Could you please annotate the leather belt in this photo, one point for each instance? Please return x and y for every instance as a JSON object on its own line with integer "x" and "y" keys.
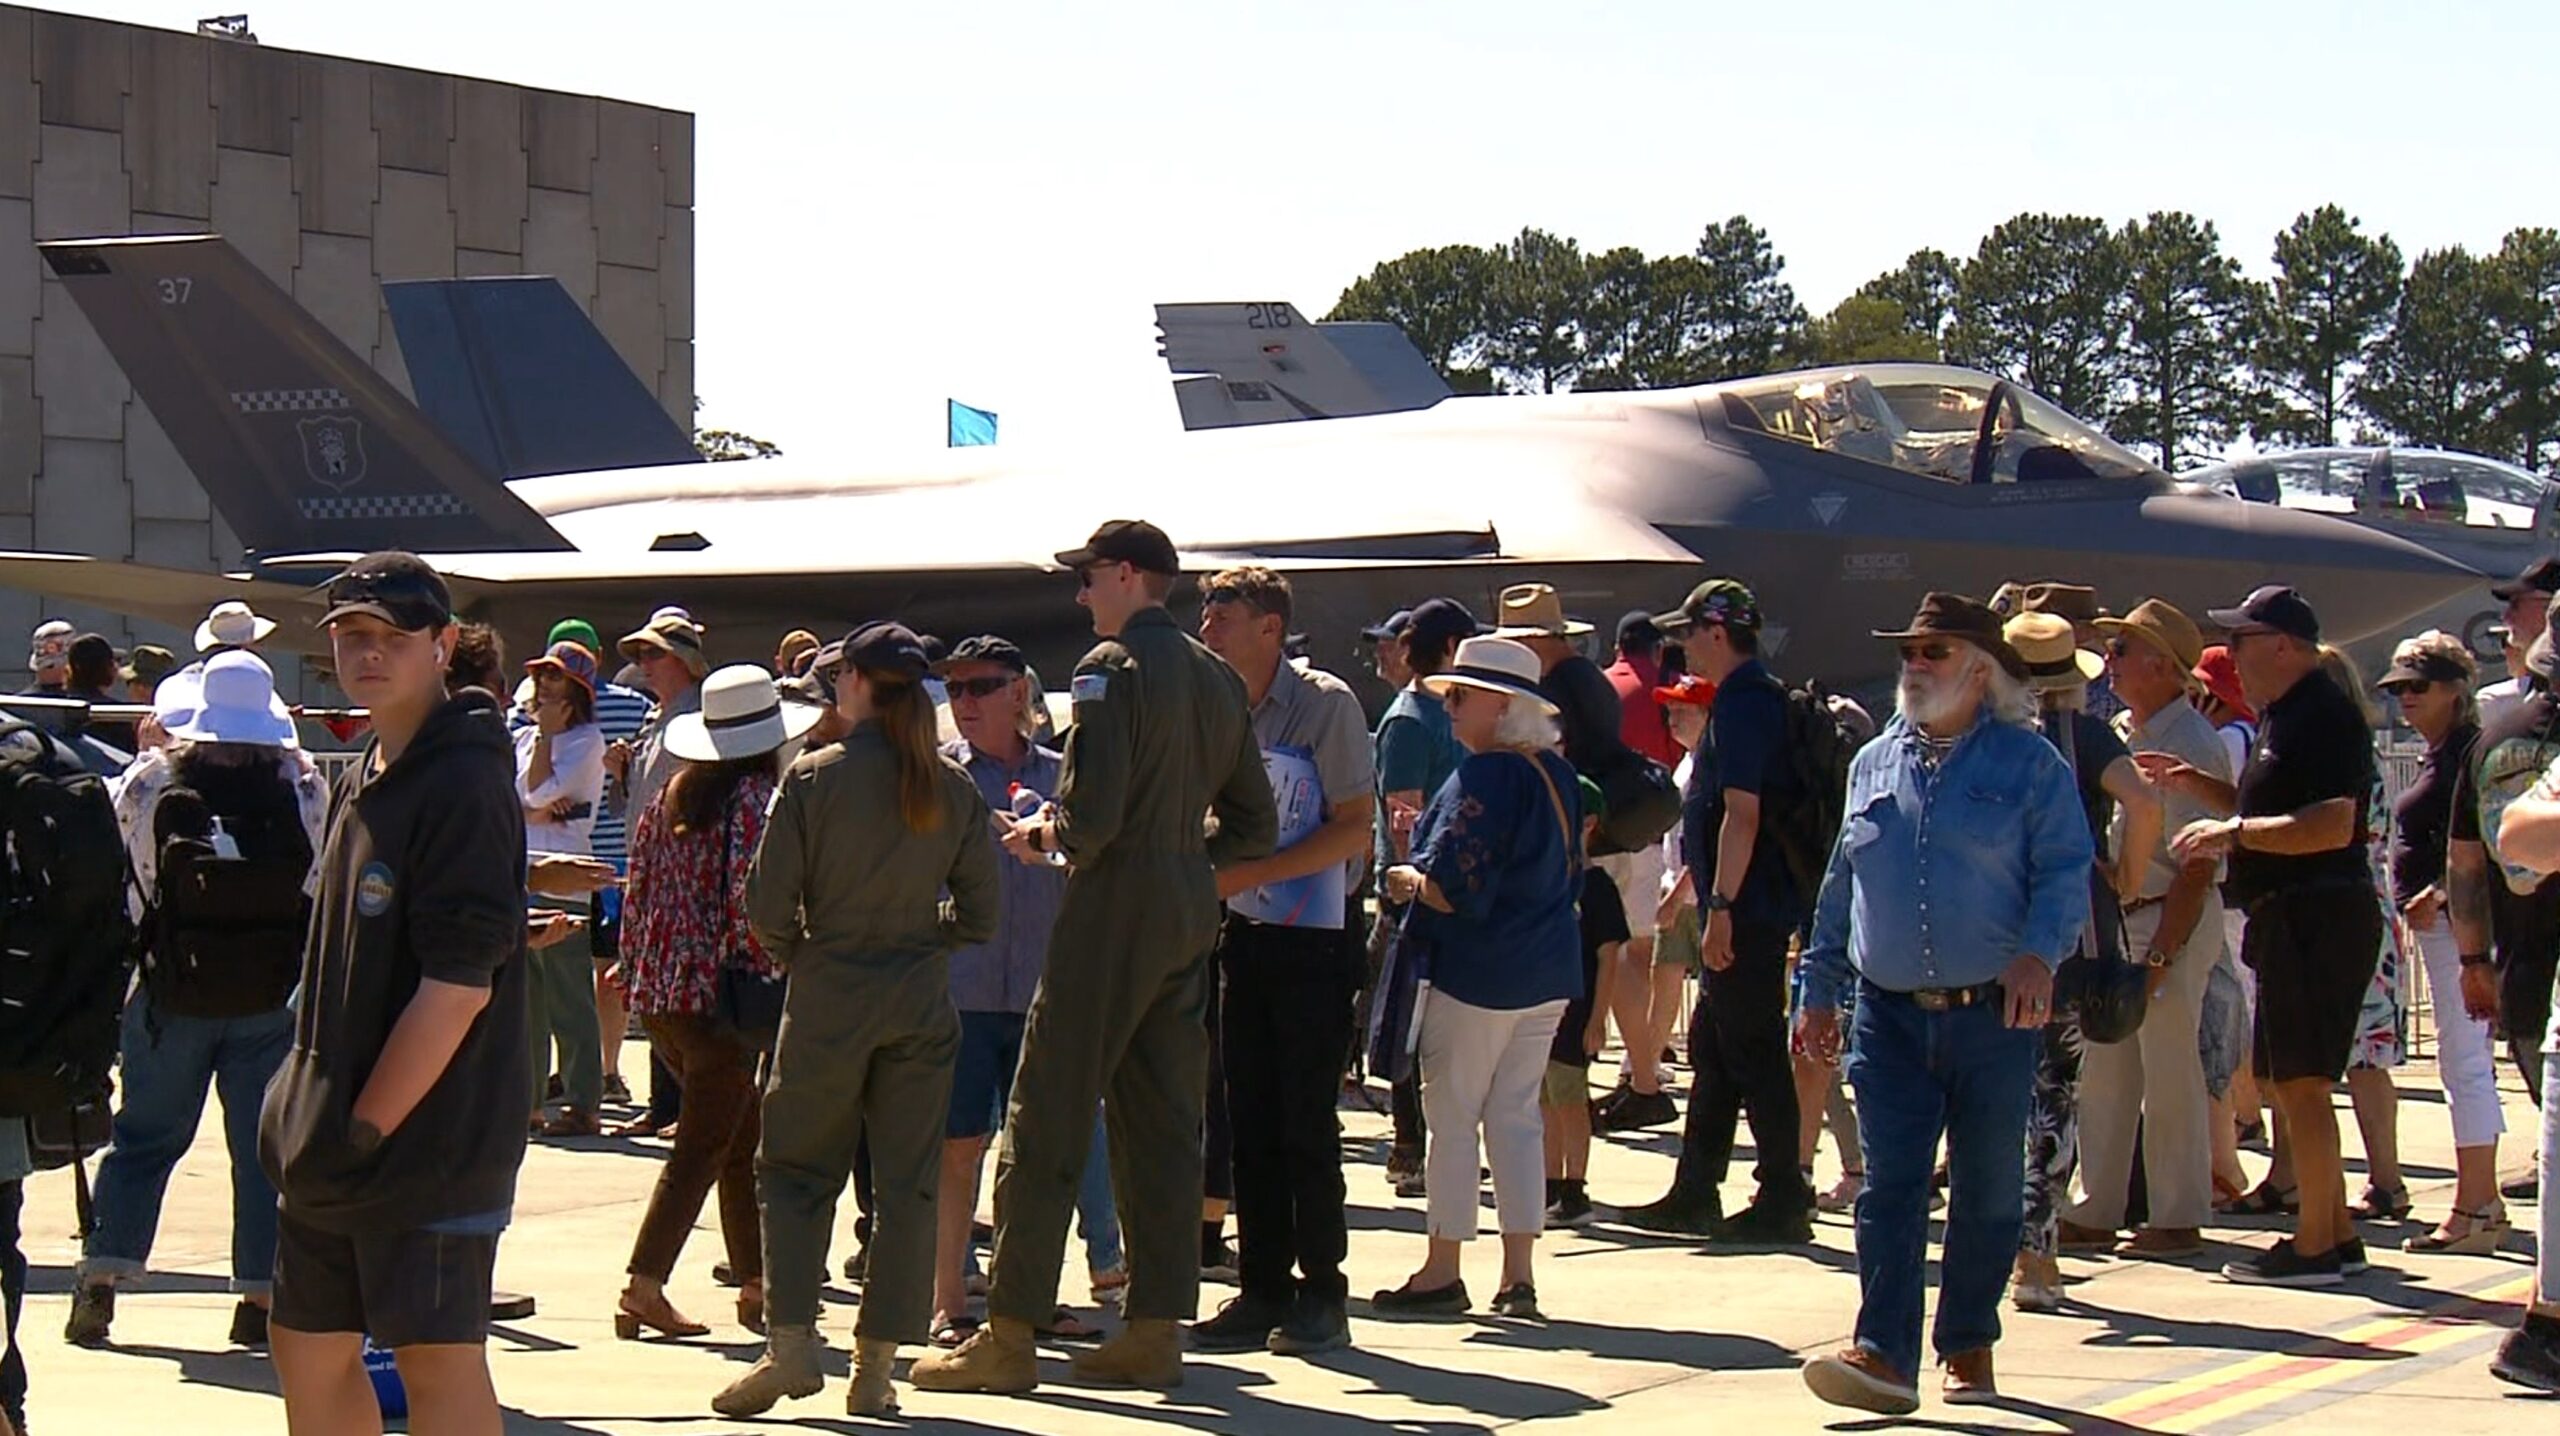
{"x": 1947, "y": 999}
{"x": 2138, "y": 904}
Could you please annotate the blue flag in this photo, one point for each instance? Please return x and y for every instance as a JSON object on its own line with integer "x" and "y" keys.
{"x": 970, "y": 426}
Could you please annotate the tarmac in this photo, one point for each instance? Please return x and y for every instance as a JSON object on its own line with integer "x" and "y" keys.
{"x": 1643, "y": 1334}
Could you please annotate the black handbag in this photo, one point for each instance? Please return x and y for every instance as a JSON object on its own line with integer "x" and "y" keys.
{"x": 2099, "y": 986}
{"x": 747, "y": 1002}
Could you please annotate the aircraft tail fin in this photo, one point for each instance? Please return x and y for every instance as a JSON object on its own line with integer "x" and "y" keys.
{"x": 1265, "y": 363}
{"x": 517, "y": 375}
{"x": 300, "y": 444}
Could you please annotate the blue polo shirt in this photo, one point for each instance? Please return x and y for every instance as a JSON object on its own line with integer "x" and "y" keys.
{"x": 1744, "y": 752}
{"x": 998, "y": 975}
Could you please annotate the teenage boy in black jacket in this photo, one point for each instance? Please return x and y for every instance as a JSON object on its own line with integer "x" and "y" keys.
{"x": 382, "y": 1131}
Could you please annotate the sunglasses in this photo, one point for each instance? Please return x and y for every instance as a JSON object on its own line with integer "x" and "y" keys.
{"x": 1086, "y": 574}
{"x": 979, "y": 687}
{"x": 2419, "y": 687}
{"x": 1934, "y": 651}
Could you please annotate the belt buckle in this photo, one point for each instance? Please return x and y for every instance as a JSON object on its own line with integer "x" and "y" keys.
{"x": 1932, "y": 999}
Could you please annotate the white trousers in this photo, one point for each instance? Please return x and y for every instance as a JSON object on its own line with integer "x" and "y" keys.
{"x": 2152, "y": 1083}
{"x": 2466, "y": 1060}
{"x": 1481, "y": 1068}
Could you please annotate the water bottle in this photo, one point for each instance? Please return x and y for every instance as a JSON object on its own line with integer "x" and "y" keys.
{"x": 224, "y": 845}
{"x": 384, "y": 1373}
{"x": 1028, "y": 804}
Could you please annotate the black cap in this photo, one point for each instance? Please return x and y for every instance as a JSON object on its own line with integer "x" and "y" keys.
{"x": 1397, "y": 622}
{"x": 1439, "y": 623}
{"x": 885, "y": 648}
{"x": 1135, "y": 542}
{"x": 1639, "y": 625}
{"x": 935, "y": 650}
{"x": 2541, "y": 576}
{"x": 2423, "y": 666}
{"x": 986, "y": 648}
{"x": 398, "y": 588}
{"x": 2273, "y": 606}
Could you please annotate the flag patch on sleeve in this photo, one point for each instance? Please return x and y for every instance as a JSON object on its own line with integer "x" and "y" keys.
{"x": 1089, "y": 687}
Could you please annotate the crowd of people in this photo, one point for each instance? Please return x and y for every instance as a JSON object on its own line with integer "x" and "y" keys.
{"x": 2094, "y": 908}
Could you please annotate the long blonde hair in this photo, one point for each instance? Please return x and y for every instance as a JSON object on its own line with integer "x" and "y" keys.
{"x": 2342, "y": 671}
{"x": 907, "y": 719}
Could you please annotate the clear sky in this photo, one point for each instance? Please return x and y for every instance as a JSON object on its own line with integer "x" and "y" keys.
{"x": 898, "y": 202}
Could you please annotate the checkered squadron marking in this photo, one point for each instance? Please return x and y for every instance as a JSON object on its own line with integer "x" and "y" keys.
{"x": 288, "y": 401}
{"x": 386, "y": 506}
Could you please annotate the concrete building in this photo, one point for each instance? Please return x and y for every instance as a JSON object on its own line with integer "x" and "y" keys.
{"x": 332, "y": 175}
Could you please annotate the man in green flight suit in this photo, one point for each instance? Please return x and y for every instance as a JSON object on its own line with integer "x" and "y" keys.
{"x": 1162, "y": 740}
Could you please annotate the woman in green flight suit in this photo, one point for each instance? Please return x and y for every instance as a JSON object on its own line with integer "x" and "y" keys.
{"x": 847, "y": 895}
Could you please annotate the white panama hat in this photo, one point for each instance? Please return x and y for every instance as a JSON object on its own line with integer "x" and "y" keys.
{"x": 1495, "y": 665}
{"x": 742, "y": 716}
{"x": 232, "y": 624}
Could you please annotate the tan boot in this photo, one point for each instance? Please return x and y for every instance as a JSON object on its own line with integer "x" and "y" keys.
{"x": 1146, "y": 1353}
{"x": 789, "y": 1367}
{"x": 874, "y": 1360}
{"x": 998, "y": 1359}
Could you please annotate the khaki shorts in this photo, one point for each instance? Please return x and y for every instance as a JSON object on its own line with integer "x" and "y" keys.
{"x": 1638, "y": 876}
{"x": 1565, "y": 1084}
{"x": 1679, "y": 943}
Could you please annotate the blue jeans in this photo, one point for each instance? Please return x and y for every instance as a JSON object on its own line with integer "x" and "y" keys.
{"x": 1097, "y": 1219}
{"x": 1919, "y": 1075}
{"x": 161, "y": 1103}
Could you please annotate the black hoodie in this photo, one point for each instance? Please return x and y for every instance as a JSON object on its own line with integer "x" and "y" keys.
{"x": 421, "y": 876}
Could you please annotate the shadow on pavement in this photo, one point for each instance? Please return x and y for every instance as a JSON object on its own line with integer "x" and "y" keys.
{"x": 1692, "y": 1350}
{"x": 232, "y": 1370}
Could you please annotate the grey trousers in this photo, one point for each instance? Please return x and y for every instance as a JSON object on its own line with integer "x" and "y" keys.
{"x": 563, "y": 993}
{"x": 871, "y": 1049}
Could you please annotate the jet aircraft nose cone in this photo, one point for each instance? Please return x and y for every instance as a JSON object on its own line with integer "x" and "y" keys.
{"x": 2360, "y": 580}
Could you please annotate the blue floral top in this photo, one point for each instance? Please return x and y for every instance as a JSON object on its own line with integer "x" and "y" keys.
{"x": 1509, "y": 865}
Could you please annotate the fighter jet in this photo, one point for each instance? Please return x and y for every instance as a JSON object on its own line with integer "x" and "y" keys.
{"x": 1841, "y": 494}
{"x": 2478, "y": 511}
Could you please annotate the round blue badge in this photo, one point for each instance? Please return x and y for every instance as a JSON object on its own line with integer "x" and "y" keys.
{"x": 373, "y": 890}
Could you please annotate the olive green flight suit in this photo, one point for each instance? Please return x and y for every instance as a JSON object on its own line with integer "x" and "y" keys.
{"x": 850, "y": 902}
{"x": 1162, "y": 739}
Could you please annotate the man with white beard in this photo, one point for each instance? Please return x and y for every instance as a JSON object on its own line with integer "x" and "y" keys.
{"x": 1959, "y": 883}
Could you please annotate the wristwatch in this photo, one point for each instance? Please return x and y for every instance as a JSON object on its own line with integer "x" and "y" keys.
{"x": 1715, "y": 902}
{"x": 2479, "y": 959}
{"x": 2154, "y": 957}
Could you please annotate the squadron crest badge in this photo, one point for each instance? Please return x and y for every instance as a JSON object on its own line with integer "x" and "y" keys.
{"x": 333, "y": 450}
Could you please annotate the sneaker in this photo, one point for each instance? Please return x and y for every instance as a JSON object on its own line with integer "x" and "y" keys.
{"x": 1220, "y": 1266}
{"x": 1519, "y": 1301}
{"x": 1316, "y": 1325}
{"x": 1245, "y": 1323}
{"x": 1571, "y": 1209}
{"x": 1676, "y": 1214}
{"x": 1760, "y": 1226}
{"x": 2164, "y": 1243}
{"x": 1410, "y": 1185}
{"x": 93, "y": 1310}
{"x": 857, "y": 1267}
{"x": 1843, "y": 1197}
{"x": 1639, "y": 1110}
{"x": 1403, "y": 1163}
{"x": 1406, "y": 1300}
{"x": 2530, "y": 1355}
{"x": 249, "y": 1326}
{"x": 617, "y": 1091}
{"x": 2351, "y": 1258}
{"x": 2526, "y": 1186}
{"x": 2283, "y": 1265}
{"x": 1860, "y": 1380}
{"x": 2035, "y": 1284}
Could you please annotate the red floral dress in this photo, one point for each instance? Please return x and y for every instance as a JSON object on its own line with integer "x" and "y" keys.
{"x": 684, "y": 911}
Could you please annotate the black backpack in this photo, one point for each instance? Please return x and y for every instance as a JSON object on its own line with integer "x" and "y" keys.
{"x": 66, "y": 940}
{"x": 1813, "y": 788}
{"x": 225, "y": 934}
{"x": 1642, "y": 803}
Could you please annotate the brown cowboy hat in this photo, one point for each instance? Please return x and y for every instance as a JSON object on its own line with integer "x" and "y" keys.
{"x": 2162, "y": 626}
{"x": 1952, "y": 615}
{"x": 2063, "y": 600}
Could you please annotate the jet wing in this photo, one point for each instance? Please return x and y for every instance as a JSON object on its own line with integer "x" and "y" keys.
{"x": 174, "y": 596}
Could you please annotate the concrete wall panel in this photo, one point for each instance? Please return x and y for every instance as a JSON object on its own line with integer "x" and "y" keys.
{"x": 173, "y": 543}
{"x": 82, "y": 502}
{"x": 560, "y": 240}
{"x": 17, "y": 103}
{"x": 21, "y": 435}
{"x": 388, "y": 361}
{"x": 144, "y": 223}
{"x": 413, "y": 227}
{"x": 333, "y": 147}
{"x": 413, "y": 119}
{"x": 80, "y": 391}
{"x": 21, "y": 275}
{"x": 630, "y": 192}
{"x": 83, "y": 70}
{"x": 253, "y": 207}
{"x": 167, "y": 143}
{"x": 255, "y": 93}
{"x": 559, "y": 140}
{"x": 675, "y": 383}
{"x": 675, "y": 273}
{"x": 82, "y": 190}
{"x": 163, "y": 486}
{"x": 675, "y": 155}
{"x": 488, "y": 167}
{"x": 335, "y": 282}
{"x": 626, "y": 312}
{"x": 473, "y": 262}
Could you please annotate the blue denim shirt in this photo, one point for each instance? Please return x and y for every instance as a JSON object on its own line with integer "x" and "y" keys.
{"x": 1000, "y": 974}
{"x": 1942, "y": 879}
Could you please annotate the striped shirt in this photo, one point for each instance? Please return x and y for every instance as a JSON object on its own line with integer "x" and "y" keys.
{"x": 619, "y": 712}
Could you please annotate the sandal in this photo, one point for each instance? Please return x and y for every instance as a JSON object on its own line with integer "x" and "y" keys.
{"x": 751, "y": 1307}
{"x": 1109, "y": 1286}
{"x": 949, "y": 1332}
{"x": 659, "y": 1316}
{"x": 2264, "y": 1201}
{"x": 2483, "y": 1232}
{"x": 2226, "y": 1191}
{"x": 1065, "y": 1326}
{"x": 2380, "y": 1204}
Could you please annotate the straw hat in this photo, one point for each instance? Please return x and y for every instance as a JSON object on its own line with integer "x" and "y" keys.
{"x": 1533, "y": 610}
{"x": 2054, "y": 658}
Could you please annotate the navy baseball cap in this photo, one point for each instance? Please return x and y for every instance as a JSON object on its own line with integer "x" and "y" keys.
{"x": 986, "y": 648}
{"x": 1440, "y": 623}
{"x": 1135, "y": 542}
{"x": 2274, "y": 608}
{"x": 2541, "y": 576}
{"x": 886, "y": 648}
{"x": 398, "y": 588}
{"x": 1394, "y": 627}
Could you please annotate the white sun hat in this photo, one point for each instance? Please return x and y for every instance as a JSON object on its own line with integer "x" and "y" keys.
{"x": 230, "y": 699}
{"x": 1496, "y": 665}
{"x": 743, "y": 716}
{"x": 232, "y": 624}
